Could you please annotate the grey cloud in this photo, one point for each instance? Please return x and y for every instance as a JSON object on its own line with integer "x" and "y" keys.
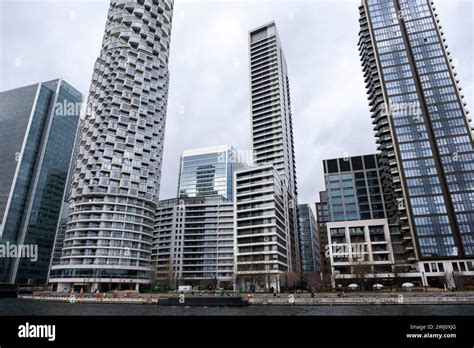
{"x": 209, "y": 70}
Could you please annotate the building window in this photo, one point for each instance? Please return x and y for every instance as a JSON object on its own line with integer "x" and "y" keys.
{"x": 440, "y": 267}
{"x": 470, "y": 266}
{"x": 455, "y": 267}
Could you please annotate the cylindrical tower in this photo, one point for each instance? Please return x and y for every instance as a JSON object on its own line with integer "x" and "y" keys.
{"x": 116, "y": 176}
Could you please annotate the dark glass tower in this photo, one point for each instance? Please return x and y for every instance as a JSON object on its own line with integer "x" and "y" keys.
{"x": 309, "y": 241}
{"x": 421, "y": 127}
{"x": 208, "y": 172}
{"x": 354, "y": 189}
{"x": 322, "y": 218}
{"x": 38, "y": 125}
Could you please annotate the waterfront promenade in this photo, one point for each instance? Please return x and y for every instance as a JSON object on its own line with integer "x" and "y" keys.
{"x": 324, "y": 299}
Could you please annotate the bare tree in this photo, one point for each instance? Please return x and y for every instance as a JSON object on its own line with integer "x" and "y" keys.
{"x": 168, "y": 276}
{"x": 396, "y": 273}
{"x": 291, "y": 280}
{"x": 327, "y": 280}
{"x": 153, "y": 276}
{"x": 259, "y": 281}
{"x": 361, "y": 269}
{"x": 314, "y": 281}
{"x": 459, "y": 280}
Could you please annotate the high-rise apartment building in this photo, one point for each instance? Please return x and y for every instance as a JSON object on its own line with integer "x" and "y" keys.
{"x": 116, "y": 178}
{"x": 272, "y": 140}
{"x": 262, "y": 243}
{"x": 422, "y": 128}
{"x": 193, "y": 242}
{"x": 207, "y": 172}
{"x": 309, "y": 241}
{"x": 272, "y": 124}
{"x": 38, "y": 125}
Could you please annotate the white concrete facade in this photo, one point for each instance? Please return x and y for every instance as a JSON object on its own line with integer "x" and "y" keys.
{"x": 262, "y": 242}
{"x": 273, "y": 150}
{"x": 362, "y": 242}
{"x": 193, "y": 242}
{"x": 374, "y": 251}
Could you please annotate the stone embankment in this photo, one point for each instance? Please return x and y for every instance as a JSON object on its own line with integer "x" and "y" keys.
{"x": 268, "y": 299}
{"x": 366, "y": 299}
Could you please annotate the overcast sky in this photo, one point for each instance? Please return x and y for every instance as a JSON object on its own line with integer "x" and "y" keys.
{"x": 209, "y": 90}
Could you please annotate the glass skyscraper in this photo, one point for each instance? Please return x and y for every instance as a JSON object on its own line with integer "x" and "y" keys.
{"x": 116, "y": 178}
{"x": 309, "y": 240}
{"x": 322, "y": 218}
{"x": 422, "y": 126}
{"x": 38, "y": 125}
{"x": 207, "y": 172}
{"x": 354, "y": 189}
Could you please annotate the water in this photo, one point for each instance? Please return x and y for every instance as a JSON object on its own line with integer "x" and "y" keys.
{"x": 12, "y": 306}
